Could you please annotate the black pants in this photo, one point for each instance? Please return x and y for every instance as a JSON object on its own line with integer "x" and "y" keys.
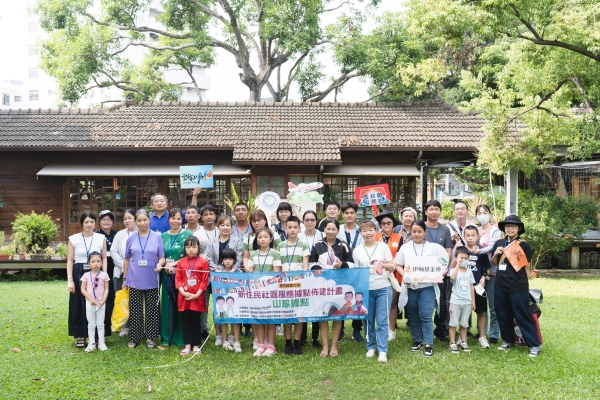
{"x": 77, "y": 318}
{"x": 315, "y": 331}
{"x": 141, "y": 301}
{"x": 191, "y": 327}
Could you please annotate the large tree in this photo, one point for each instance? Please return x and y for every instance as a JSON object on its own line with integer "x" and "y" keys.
{"x": 89, "y": 39}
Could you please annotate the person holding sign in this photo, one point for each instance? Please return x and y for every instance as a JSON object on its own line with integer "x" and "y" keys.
{"x": 79, "y": 248}
{"x": 421, "y": 295}
{"x": 376, "y": 256}
{"x": 511, "y": 295}
{"x": 144, "y": 258}
{"x": 294, "y": 257}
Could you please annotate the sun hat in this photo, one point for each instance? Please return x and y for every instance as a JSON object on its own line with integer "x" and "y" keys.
{"x": 512, "y": 219}
{"x": 387, "y": 214}
{"x": 106, "y": 212}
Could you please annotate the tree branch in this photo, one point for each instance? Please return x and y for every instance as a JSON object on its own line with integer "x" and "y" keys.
{"x": 336, "y": 84}
{"x": 542, "y": 100}
{"x": 120, "y": 85}
{"x": 335, "y": 8}
{"x": 382, "y": 91}
{"x": 210, "y": 12}
{"x": 584, "y": 96}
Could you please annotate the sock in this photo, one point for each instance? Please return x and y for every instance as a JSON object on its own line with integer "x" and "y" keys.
{"x": 288, "y": 342}
{"x": 296, "y": 343}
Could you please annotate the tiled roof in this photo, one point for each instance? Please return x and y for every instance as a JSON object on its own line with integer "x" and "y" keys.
{"x": 256, "y": 131}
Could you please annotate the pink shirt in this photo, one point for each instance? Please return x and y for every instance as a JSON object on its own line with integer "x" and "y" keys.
{"x": 97, "y": 292}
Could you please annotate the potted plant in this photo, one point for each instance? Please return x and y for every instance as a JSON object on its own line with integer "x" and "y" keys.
{"x": 2, "y": 238}
{"x": 61, "y": 250}
{"x": 7, "y": 252}
{"x": 35, "y": 253}
{"x": 49, "y": 252}
{"x": 34, "y": 231}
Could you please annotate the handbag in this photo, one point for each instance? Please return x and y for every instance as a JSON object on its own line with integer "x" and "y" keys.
{"x": 394, "y": 282}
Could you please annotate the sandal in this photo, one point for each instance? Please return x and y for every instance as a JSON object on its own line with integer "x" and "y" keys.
{"x": 132, "y": 345}
{"x": 150, "y": 344}
{"x": 81, "y": 344}
{"x": 185, "y": 352}
{"x": 323, "y": 353}
{"x": 197, "y": 351}
{"x": 333, "y": 353}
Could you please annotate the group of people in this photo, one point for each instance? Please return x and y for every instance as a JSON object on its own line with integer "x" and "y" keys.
{"x": 164, "y": 259}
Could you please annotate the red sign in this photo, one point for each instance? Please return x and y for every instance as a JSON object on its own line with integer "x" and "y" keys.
{"x": 372, "y": 195}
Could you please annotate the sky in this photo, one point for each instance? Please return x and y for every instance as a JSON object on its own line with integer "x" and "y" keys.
{"x": 225, "y": 83}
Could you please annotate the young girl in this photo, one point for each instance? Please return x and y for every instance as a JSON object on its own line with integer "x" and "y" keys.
{"x": 265, "y": 259}
{"x": 94, "y": 286}
{"x": 191, "y": 279}
{"x": 232, "y": 342}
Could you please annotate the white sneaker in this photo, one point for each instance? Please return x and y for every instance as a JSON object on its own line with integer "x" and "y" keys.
{"x": 231, "y": 339}
{"x": 124, "y": 332}
{"x": 227, "y": 346}
{"x": 255, "y": 344}
{"x": 269, "y": 351}
{"x": 391, "y": 335}
{"x": 382, "y": 357}
{"x": 370, "y": 353}
{"x": 279, "y": 330}
{"x": 484, "y": 343}
{"x": 91, "y": 347}
{"x": 259, "y": 351}
{"x": 237, "y": 347}
{"x": 102, "y": 347}
{"x": 218, "y": 341}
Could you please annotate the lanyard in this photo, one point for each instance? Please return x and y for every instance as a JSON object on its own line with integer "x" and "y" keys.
{"x": 92, "y": 281}
{"x": 288, "y": 259}
{"x": 437, "y": 233}
{"x": 264, "y": 262}
{"x": 313, "y": 241}
{"x": 415, "y": 249}
{"x": 140, "y": 240}
{"x": 373, "y": 252}
{"x": 87, "y": 250}
{"x": 208, "y": 237}
{"x": 223, "y": 246}
{"x": 241, "y": 235}
{"x": 191, "y": 267}
{"x": 386, "y": 239}
{"x": 349, "y": 237}
{"x": 281, "y": 231}
{"x": 331, "y": 255}
{"x": 171, "y": 241}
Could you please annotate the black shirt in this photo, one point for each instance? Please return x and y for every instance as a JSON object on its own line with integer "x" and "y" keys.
{"x": 110, "y": 265}
{"x": 509, "y": 280}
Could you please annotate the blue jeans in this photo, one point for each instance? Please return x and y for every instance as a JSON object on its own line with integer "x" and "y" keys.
{"x": 421, "y": 303}
{"x": 379, "y": 309}
{"x": 512, "y": 307}
{"x": 493, "y": 329}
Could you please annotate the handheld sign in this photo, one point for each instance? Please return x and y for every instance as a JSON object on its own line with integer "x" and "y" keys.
{"x": 304, "y": 196}
{"x": 424, "y": 269}
{"x": 192, "y": 176}
{"x": 515, "y": 255}
{"x": 373, "y": 196}
{"x": 268, "y": 202}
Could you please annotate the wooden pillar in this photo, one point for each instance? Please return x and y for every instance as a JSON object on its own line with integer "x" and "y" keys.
{"x": 424, "y": 187}
{"x": 574, "y": 257}
{"x": 511, "y": 205}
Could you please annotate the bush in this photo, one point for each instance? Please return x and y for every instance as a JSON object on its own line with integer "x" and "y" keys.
{"x": 35, "y": 231}
{"x": 448, "y": 210}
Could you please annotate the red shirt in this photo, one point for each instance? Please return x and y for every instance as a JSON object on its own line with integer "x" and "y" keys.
{"x": 192, "y": 274}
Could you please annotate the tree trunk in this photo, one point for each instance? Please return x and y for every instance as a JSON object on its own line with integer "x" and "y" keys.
{"x": 255, "y": 92}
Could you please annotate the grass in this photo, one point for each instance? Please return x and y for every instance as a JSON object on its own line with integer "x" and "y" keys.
{"x": 33, "y": 318}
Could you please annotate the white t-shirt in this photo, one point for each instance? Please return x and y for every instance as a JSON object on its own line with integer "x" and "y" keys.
{"x": 206, "y": 237}
{"x": 423, "y": 249}
{"x": 310, "y": 241}
{"x": 365, "y": 256}
{"x": 94, "y": 243}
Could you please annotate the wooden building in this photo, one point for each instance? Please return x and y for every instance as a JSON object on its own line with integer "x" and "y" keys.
{"x": 73, "y": 160}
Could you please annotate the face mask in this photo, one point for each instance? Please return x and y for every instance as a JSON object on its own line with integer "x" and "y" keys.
{"x": 483, "y": 219}
{"x": 464, "y": 263}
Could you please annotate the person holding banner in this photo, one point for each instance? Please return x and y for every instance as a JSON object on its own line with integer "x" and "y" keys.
{"x": 271, "y": 262}
{"x": 330, "y": 253}
{"x": 376, "y": 256}
{"x": 144, "y": 258}
{"x": 511, "y": 296}
{"x": 421, "y": 295}
{"x": 173, "y": 242}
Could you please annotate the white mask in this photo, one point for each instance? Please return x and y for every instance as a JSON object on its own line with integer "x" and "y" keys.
{"x": 483, "y": 219}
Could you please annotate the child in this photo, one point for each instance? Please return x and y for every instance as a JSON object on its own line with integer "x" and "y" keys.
{"x": 191, "y": 279}
{"x": 462, "y": 300}
{"x": 265, "y": 259}
{"x": 94, "y": 286}
{"x": 294, "y": 257}
{"x": 479, "y": 264}
{"x": 231, "y": 342}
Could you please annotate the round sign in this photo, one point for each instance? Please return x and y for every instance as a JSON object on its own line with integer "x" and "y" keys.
{"x": 267, "y": 201}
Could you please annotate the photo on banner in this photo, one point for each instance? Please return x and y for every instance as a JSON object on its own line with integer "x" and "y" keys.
{"x": 191, "y": 176}
{"x": 290, "y": 297}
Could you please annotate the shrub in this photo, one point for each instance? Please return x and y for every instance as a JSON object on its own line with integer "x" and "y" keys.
{"x": 35, "y": 231}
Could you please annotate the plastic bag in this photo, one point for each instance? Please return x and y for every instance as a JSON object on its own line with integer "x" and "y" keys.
{"x": 403, "y": 297}
{"x": 120, "y": 314}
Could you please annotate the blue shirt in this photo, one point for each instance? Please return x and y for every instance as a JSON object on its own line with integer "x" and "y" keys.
{"x": 143, "y": 277}
{"x": 161, "y": 224}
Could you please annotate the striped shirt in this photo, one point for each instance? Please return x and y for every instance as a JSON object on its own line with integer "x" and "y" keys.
{"x": 264, "y": 262}
{"x": 249, "y": 239}
{"x": 292, "y": 255}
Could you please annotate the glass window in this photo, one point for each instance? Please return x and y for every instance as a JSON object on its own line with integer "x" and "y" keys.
{"x": 33, "y": 73}
{"x": 34, "y": 95}
{"x": 34, "y": 50}
{"x": 33, "y": 27}
{"x": 5, "y": 99}
{"x": 17, "y": 99}
{"x": 271, "y": 183}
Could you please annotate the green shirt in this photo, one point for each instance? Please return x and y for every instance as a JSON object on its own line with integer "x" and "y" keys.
{"x": 249, "y": 239}
{"x": 292, "y": 255}
{"x": 174, "y": 248}
{"x": 264, "y": 263}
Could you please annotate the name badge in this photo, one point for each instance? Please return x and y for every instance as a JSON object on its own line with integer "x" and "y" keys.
{"x": 142, "y": 263}
{"x": 502, "y": 267}
{"x": 170, "y": 260}
{"x": 86, "y": 267}
{"x": 191, "y": 282}
{"x": 108, "y": 254}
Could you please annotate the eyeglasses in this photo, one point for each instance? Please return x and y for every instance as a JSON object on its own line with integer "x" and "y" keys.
{"x": 258, "y": 220}
{"x": 386, "y": 223}
{"x": 310, "y": 220}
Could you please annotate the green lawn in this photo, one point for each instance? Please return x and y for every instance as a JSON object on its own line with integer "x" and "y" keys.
{"x": 33, "y": 318}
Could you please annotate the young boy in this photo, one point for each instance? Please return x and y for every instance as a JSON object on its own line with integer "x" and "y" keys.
{"x": 294, "y": 257}
{"x": 462, "y": 300}
{"x": 479, "y": 264}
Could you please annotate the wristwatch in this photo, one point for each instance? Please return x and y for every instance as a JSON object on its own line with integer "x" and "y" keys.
{"x": 69, "y": 277}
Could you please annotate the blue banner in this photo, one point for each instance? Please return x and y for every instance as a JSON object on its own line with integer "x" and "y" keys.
{"x": 290, "y": 297}
{"x": 191, "y": 176}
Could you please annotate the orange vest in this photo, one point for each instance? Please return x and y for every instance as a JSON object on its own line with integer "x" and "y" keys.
{"x": 393, "y": 243}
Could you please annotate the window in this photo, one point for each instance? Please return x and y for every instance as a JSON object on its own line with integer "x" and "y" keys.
{"x": 33, "y": 27}
{"x": 5, "y": 99}
{"x": 272, "y": 183}
{"x": 33, "y": 73}
{"x": 34, "y": 50}
{"x": 34, "y": 95}
{"x": 50, "y": 92}
{"x": 17, "y": 99}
